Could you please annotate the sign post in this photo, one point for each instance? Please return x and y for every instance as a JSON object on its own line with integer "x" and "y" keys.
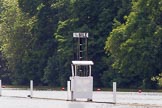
{"x": 114, "y": 92}
{"x": 0, "y": 87}
{"x": 31, "y": 88}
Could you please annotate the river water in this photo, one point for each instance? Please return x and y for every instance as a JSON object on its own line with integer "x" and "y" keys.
{"x": 18, "y": 98}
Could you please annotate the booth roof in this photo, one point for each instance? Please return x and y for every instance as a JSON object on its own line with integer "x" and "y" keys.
{"x": 82, "y": 62}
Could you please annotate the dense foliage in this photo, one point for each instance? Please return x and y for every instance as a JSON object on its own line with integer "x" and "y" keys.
{"x": 36, "y": 41}
{"x": 135, "y": 46}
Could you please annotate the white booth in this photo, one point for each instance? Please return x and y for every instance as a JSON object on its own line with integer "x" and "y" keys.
{"x": 81, "y": 80}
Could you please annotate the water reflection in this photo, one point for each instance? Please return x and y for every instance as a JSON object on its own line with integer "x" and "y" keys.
{"x": 75, "y": 105}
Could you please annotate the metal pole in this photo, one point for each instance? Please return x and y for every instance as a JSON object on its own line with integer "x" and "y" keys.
{"x": 0, "y": 87}
{"x": 72, "y": 69}
{"x": 86, "y": 39}
{"x": 78, "y": 49}
{"x": 90, "y": 69}
{"x": 73, "y": 50}
{"x": 114, "y": 92}
{"x": 75, "y": 70}
{"x": 69, "y": 90}
{"x": 31, "y": 88}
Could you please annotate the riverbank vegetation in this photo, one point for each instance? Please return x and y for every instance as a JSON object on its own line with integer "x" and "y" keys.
{"x": 125, "y": 41}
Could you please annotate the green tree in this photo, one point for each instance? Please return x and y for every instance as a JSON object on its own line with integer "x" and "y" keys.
{"x": 37, "y": 37}
{"x": 135, "y": 45}
{"x": 15, "y": 37}
{"x": 43, "y": 58}
{"x": 95, "y": 17}
{"x": 30, "y": 7}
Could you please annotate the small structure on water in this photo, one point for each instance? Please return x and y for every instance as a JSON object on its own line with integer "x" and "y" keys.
{"x": 81, "y": 81}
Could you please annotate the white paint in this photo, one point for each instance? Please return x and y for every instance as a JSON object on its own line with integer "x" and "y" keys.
{"x": 114, "y": 92}
{"x": 31, "y": 88}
